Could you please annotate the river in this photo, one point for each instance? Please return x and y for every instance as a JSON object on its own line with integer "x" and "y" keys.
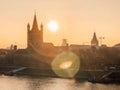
{"x": 47, "y": 83}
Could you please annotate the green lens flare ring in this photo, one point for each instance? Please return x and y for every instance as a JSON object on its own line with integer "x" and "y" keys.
{"x": 66, "y": 64}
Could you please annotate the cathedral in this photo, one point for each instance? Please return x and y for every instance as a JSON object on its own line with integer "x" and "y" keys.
{"x": 34, "y": 35}
{"x": 94, "y": 41}
{"x": 35, "y": 40}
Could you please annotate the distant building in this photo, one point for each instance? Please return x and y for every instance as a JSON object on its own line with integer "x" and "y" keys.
{"x": 94, "y": 41}
{"x": 75, "y": 47}
{"x": 117, "y": 46}
{"x": 64, "y": 43}
{"x": 34, "y": 35}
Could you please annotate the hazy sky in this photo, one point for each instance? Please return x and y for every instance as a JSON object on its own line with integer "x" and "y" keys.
{"x": 78, "y": 19}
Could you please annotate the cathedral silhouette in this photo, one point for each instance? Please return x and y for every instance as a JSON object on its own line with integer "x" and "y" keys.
{"x": 35, "y": 41}
{"x": 34, "y": 35}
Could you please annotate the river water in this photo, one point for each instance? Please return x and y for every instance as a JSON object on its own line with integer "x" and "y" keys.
{"x": 45, "y": 83}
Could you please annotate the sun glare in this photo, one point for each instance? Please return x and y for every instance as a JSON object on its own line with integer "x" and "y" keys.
{"x": 66, "y": 64}
{"x": 53, "y": 26}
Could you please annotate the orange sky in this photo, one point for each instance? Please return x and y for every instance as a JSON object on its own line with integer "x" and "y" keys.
{"x": 77, "y": 19}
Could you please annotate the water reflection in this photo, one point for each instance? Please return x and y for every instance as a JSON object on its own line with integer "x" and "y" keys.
{"x": 43, "y": 83}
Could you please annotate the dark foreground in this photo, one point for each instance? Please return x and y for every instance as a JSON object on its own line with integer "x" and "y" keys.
{"x": 94, "y": 76}
{"x": 95, "y": 65}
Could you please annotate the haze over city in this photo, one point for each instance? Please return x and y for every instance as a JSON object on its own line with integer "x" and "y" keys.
{"x": 77, "y": 20}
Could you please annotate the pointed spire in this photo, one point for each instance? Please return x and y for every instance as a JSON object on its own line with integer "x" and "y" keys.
{"x": 94, "y": 40}
{"x": 35, "y": 25}
{"x": 94, "y": 36}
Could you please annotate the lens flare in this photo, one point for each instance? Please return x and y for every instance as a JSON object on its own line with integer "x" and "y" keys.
{"x": 66, "y": 65}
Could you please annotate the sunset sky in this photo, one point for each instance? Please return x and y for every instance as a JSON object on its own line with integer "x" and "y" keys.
{"x": 77, "y": 20}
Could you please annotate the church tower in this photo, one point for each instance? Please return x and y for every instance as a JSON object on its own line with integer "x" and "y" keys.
{"x": 94, "y": 41}
{"x": 34, "y": 35}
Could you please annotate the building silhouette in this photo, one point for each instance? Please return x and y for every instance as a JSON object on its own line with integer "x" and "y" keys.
{"x": 94, "y": 41}
{"x": 64, "y": 42}
{"x": 35, "y": 41}
{"x": 34, "y": 35}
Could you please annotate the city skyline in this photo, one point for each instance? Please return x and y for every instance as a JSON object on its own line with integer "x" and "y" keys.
{"x": 77, "y": 20}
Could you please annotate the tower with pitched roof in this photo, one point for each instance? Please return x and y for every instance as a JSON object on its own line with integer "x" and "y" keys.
{"x": 94, "y": 41}
{"x": 34, "y": 35}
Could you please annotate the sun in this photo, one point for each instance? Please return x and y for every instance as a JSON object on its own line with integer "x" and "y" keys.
{"x": 52, "y": 26}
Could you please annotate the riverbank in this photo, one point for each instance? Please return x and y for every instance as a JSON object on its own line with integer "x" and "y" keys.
{"x": 94, "y": 76}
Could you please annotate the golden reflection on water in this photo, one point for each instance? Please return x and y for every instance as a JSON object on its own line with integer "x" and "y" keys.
{"x": 32, "y": 83}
